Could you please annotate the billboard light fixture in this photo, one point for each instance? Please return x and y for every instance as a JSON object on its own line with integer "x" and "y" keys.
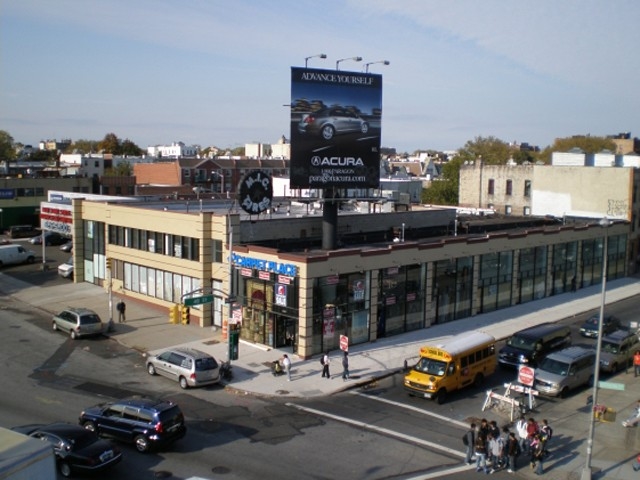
{"x": 355, "y": 59}
{"x": 319, "y": 55}
{"x": 366, "y": 65}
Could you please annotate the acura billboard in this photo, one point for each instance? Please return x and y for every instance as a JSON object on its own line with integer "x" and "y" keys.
{"x": 335, "y": 128}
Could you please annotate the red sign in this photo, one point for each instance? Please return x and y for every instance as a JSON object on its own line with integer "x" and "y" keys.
{"x": 525, "y": 375}
{"x": 344, "y": 343}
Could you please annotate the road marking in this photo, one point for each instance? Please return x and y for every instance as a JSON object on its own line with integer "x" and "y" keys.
{"x": 384, "y": 431}
{"x": 413, "y": 409}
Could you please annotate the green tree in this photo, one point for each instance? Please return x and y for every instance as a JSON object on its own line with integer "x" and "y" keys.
{"x": 492, "y": 151}
{"x": 123, "y": 169}
{"x": 444, "y": 190}
{"x": 587, "y": 144}
{"x": 7, "y": 148}
{"x": 130, "y": 148}
{"x": 83, "y": 146}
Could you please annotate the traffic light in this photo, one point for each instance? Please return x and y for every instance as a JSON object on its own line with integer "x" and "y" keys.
{"x": 173, "y": 314}
{"x": 185, "y": 315}
{"x": 108, "y": 261}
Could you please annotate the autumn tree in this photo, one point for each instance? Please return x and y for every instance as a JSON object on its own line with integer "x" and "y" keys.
{"x": 587, "y": 144}
{"x": 83, "y": 146}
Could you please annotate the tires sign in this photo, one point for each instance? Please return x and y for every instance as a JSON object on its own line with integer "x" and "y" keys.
{"x": 526, "y": 375}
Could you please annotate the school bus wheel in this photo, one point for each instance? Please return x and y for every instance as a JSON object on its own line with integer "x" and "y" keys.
{"x": 479, "y": 380}
{"x": 441, "y": 396}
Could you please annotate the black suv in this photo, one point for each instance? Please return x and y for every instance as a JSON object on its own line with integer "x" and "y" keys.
{"x": 146, "y": 422}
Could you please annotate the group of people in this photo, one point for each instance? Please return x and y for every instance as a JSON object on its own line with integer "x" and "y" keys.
{"x": 283, "y": 365}
{"x": 498, "y": 449}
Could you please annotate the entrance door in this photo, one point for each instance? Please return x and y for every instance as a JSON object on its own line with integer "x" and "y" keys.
{"x": 285, "y": 332}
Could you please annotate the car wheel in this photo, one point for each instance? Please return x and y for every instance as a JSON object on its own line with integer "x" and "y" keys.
{"x": 183, "y": 383}
{"x": 615, "y": 367}
{"x": 364, "y": 128}
{"x": 441, "y": 396}
{"x": 54, "y": 326}
{"x": 327, "y": 132}
{"x": 90, "y": 426}
{"x": 30, "y": 260}
{"x": 151, "y": 369}
{"x": 564, "y": 392}
{"x": 142, "y": 444}
{"x": 65, "y": 469}
{"x": 73, "y": 334}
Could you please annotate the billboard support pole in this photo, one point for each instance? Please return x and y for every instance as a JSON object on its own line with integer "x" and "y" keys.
{"x": 329, "y": 220}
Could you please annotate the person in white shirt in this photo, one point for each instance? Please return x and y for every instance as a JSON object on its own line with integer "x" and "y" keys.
{"x": 286, "y": 363}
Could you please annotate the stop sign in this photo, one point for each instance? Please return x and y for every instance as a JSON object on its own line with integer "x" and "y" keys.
{"x": 525, "y": 375}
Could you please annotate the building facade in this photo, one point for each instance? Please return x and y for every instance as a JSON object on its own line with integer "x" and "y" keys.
{"x": 285, "y": 291}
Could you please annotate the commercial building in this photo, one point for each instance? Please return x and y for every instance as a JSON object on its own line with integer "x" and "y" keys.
{"x": 389, "y": 273}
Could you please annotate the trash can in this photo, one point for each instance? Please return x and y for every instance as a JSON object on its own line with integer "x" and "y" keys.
{"x": 609, "y": 415}
{"x": 234, "y": 340}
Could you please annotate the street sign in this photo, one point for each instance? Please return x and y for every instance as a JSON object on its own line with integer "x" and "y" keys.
{"x": 190, "y": 302}
{"x": 525, "y": 375}
{"x": 611, "y": 385}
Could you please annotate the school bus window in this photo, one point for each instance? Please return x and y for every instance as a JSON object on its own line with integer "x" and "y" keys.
{"x": 478, "y": 355}
{"x": 464, "y": 362}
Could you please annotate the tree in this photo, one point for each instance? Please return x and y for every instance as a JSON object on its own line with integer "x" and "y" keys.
{"x": 130, "y": 148}
{"x": 444, "y": 190}
{"x": 82, "y": 146}
{"x": 7, "y": 148}
{"x": 110, "y": 144}
{"x": 587, "y": 144}
{"x": 492, "y": 151}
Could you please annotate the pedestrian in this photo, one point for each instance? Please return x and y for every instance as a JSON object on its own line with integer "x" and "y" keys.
{"x": 546, "y": 433}
{"x": 325, "y": 365}
{"x": 495, "y": 450}
{"x": 469, "y": 441}
{"x": 286, "y": 363}
{"x": 481, "y": 453}
{"x": 345, "y": 366}
{"x": 484, "y": 427}
{"x": 532, "y": 429}
{"x": 521, "y": 428}
{"x": 636, "y": 363}
{"x": 513, "y": 451}
{"x": 537, "y": 455}
{"x": 504, "y": 459}
{"x": 121, "y": 307}
{"x": 633, "y": 420}
{"x": 573, "y": 284}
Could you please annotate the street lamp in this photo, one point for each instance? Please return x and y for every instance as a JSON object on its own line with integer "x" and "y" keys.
{"x": 366, "y": 65}
{"x": 355, "y": 59}
{"x": 586, "y": 473}
{"x": 319, "y": 55}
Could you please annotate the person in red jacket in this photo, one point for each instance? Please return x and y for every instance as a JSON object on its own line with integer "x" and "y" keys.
{"x": 532, "y": 430}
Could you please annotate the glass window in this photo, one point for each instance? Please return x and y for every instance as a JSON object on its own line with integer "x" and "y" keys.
{"x": 509, "y": 187}
{"x": 492, "y": 185}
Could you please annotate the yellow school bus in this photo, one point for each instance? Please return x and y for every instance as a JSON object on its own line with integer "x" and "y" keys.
{"x": 457, "y": 362}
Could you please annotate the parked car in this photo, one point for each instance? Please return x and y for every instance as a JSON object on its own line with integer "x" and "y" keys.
{"x": 531, "y": 345}
{"x": 77, "y": 450}
{"x": 50, "y": 238}
{"x": 78, "y": 322}
{"x": 617, "y": 349}
{"x": 15, "y": 254}
{"x": 148, "y": 423}
{"x": 65, "y": 269}
{"x": 67, "y": 247}
{"x": 331, "y": 121}
{"x": 565, "y": 370}
{"x": 22, "y": 231}
{"x": 590, "y": 328}
{"x": 187, "y": 366}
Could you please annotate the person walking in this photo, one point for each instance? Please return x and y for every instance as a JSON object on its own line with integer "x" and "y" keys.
{"x": 521, "y": 428}
{"x": 636, "y": 363}
{"x": 345, "y": 366}
{"x": 286, "y": 363}
{"x": 469, "y": 441}
{"x": 546, "y": 433}
{"x": 325, "y": 366}
{"x": 121, "y": 308}
{"x": 495, "y": 452}
{"x": 537, "y": 455}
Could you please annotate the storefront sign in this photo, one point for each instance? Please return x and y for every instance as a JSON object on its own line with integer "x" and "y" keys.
{"x": 284, "y": 280}
{"x": 392, "y": 271}
{"x": 246, "y": 272}
{"x": 411, "y": 297}
{"x": 331, "y": 280}
{"x": 391, "y": 300}
{"x": 264, "y": 265}
{"x": 256, "y": 192}
{"x": 358, "y": 290}
{"x": 264, "y": 275}
{"x": 281, "y": 295}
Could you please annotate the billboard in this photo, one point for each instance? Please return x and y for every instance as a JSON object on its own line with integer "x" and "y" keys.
{"x": 335, "y": 128}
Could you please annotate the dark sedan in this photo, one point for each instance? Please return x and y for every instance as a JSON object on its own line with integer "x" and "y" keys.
{"x": 50, "y": 238}
{"x": 590, "y": 328}
{"x": 77, "y": 450}
{"x": 67, "y": 247}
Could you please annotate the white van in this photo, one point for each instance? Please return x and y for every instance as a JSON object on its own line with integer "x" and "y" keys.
{"x": 14, "y": 254}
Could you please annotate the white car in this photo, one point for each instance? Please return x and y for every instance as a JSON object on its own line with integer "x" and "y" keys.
{"x": 66, "y": 269}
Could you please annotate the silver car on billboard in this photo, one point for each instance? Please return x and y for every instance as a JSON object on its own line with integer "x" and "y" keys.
{"x": 332, "y": 121}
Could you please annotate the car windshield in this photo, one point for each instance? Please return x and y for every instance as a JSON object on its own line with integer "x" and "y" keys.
{"x": 555, "y": 366}
{"x": 89, "y": 319}
{"x": 431, "y": 367}
{"x": 592, "y": 322}
{"x": 610, "y": 347}
{"x": 207, "y": 363}
{"x": 522, "y": 343}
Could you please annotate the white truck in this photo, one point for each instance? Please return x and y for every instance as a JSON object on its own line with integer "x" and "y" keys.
{"x": 25, "y": 458}
{"x": 13, "y": 254}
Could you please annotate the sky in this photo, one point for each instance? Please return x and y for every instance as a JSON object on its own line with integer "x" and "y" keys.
{"x": 218, "y": 72}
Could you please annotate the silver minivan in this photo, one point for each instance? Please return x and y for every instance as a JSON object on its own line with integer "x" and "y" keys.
{"x": 617, "y": 350}
{"x": 565, "y": 370}
{"x": 187, "y": 366}
{"x": 78, "y": 322}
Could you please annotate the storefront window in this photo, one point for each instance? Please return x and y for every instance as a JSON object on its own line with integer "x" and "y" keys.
{"x": 496, "y": 273}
